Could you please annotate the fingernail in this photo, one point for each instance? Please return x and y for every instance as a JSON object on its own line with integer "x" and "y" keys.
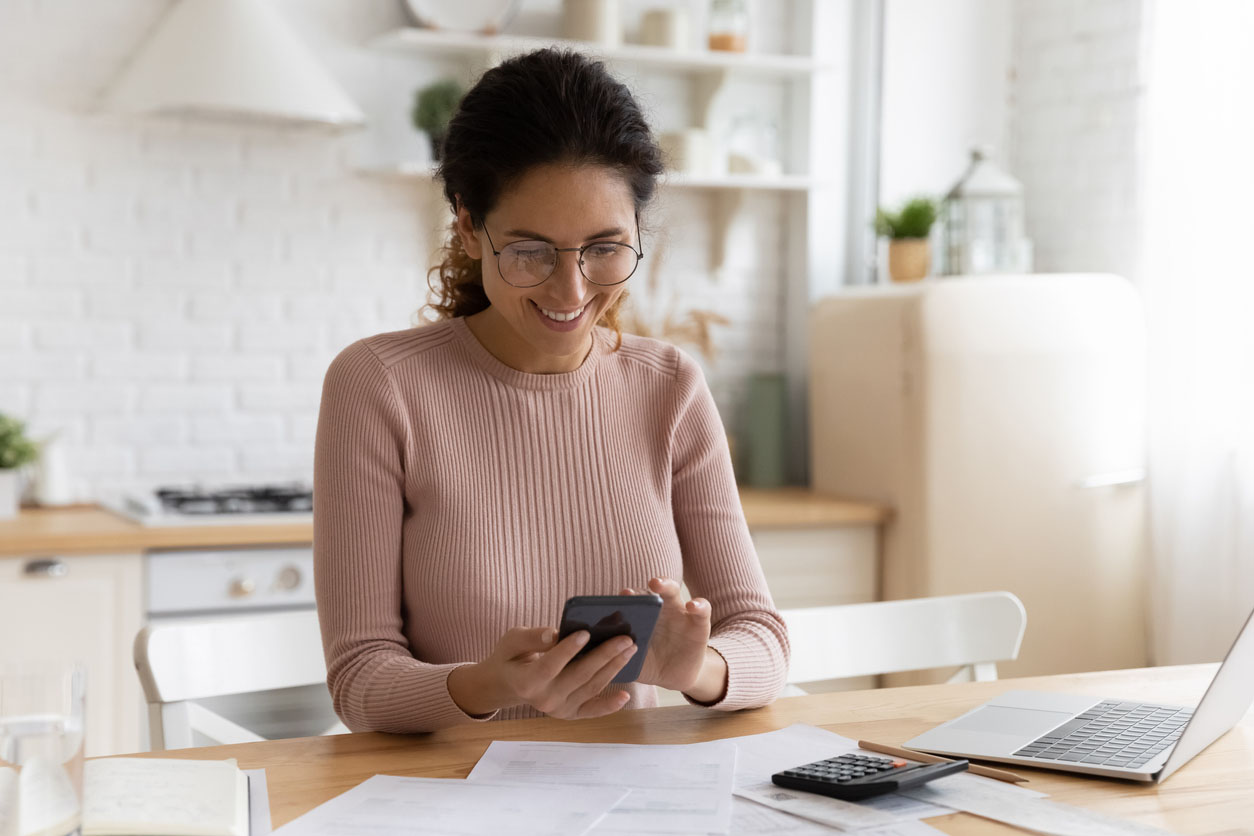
{"x": 549, "y": 636}
{"x": 581, "y": 638}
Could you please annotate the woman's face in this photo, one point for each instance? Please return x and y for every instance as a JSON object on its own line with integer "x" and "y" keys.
{"x": 567, "y": 206}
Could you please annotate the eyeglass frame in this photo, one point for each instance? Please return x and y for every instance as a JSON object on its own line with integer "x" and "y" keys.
{"x": 579, "y": 262}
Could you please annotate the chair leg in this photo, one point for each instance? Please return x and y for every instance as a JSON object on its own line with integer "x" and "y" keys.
{"x": 175, "y": 727}
{"x": 156, "y": 731}
{"x": 984, "y": 671}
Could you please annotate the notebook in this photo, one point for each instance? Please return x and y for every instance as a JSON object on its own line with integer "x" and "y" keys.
{"x": 168, "y": 797}
{"x": 132, "y": 797}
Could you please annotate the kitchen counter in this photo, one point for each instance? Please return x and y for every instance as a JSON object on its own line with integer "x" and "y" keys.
{"x": 89, "y": 529}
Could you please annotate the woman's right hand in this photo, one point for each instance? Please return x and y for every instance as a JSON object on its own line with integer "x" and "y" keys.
{"x": 528, "y": 666}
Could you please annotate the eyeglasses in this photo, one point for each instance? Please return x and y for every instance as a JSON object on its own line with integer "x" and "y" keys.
{"x": 530, "y": 263}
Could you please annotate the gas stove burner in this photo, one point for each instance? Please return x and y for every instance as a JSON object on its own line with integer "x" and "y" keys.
{"x": 258, "y": 499}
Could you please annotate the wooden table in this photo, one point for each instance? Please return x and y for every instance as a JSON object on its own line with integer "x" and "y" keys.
{"x": 1213, "y": 794}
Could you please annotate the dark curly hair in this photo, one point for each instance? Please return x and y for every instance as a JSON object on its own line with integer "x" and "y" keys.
{"x": 546, "y": 107}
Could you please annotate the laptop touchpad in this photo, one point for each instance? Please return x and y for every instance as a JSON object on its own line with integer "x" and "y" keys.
{"x": 1019, "y": 722}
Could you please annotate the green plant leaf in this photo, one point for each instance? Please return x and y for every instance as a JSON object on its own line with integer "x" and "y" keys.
{"x": 913, "y": 221}
{"x": 15, "y": 448}
{"x": 435, "y": 104}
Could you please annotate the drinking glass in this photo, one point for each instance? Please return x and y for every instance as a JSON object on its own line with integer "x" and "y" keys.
{"x": 41, "y": 748}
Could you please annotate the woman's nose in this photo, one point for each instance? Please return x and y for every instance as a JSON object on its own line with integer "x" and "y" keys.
{"x": 568, "y": 283}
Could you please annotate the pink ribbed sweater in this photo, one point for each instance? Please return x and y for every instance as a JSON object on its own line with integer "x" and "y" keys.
{"x": 455, "y": 498}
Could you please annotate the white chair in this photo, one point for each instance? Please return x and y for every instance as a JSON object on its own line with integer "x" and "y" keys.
{"x": 973, "y": 631}
{"x": 182, "y": 663}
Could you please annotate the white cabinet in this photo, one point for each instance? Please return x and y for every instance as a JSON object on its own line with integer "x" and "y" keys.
{"x": 818, "y": 567}
{"x": 81, "y": 608}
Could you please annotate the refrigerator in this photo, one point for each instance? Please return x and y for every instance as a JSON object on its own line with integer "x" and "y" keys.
{"x": 1003, "y": 420}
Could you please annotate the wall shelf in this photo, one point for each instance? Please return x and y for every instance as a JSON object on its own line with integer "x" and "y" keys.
{"x": 727, "y": 193}
{"x": 434, "y": 42}
{"x": 779, "y": 183}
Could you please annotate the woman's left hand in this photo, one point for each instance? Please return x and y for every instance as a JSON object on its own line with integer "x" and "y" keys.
{"x": 679, "y": 656}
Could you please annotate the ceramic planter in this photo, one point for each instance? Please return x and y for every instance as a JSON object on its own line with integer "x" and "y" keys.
{"x": 909, "y": 259}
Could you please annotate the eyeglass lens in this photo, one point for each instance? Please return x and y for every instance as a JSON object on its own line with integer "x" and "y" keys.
{"x": 528, "y": 263}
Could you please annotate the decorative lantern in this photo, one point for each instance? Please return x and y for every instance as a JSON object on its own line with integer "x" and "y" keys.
{"x": 983, "y": 221}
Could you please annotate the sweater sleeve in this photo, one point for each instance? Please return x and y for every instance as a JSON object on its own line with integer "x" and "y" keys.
{"x": 359, "y": 504}
{"x": 720, "y": 563}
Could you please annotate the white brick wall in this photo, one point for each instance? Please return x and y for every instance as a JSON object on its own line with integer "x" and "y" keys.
{"x": 171, "y": 291}
{"x": 1076, "y": 133}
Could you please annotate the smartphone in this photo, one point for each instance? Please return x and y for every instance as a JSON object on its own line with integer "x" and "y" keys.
{"x": 607, "y": 616}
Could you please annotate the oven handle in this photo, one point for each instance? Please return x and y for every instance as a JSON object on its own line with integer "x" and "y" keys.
{"x": 46, "y": 568}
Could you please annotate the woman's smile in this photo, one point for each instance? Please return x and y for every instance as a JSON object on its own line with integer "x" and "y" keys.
{"x": 559, "y": 320}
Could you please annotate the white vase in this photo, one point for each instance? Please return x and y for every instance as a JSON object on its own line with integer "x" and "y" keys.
{"x": 10, "y": 491}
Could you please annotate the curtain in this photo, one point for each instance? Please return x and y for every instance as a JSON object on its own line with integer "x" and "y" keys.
{"x": 1197, "y": 269}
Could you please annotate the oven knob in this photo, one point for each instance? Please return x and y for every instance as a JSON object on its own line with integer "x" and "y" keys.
{"x": 289, "y": 578}
{"x": 242, "y": 587}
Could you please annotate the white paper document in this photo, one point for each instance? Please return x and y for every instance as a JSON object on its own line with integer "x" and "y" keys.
{"x": 1036, "y": 814}
{"x": 674, "y": 788}
{"x": 843, "y": 815}
{"x": 905, "y": 828}
{"x": 389, "y": 804}
{"x": 762, "y": 755}
{"x": 752, "y": 819}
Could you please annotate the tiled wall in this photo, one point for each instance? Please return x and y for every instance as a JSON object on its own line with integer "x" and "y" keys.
{"x": 1076, "y": 137}
{"x": 171, "y": 292}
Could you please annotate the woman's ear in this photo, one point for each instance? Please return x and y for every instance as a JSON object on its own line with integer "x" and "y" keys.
{"x": 466, "y": 231}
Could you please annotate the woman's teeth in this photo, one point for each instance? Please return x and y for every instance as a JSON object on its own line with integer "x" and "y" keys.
{"x": 560, "y": 317}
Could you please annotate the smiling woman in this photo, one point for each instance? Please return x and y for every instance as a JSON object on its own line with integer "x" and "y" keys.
{"x": 542, "y": 306}
{"x": 473, "y": 474}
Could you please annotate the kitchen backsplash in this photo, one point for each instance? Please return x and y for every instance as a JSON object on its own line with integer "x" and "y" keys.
{"x": 174, "y": 290}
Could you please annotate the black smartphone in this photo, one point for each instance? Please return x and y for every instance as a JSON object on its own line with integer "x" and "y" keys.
{"x": 607, "y": 616}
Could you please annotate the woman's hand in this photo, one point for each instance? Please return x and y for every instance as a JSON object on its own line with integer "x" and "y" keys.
{"x": 528, "y": 667}
{"x": 679, "y": 656}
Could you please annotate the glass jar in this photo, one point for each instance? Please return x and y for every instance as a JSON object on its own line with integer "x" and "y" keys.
{"x": 729, "y": 25}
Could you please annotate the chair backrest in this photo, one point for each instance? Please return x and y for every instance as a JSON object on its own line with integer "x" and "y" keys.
{"x": 184, "y": 661}
{"x": 973, "y": 631}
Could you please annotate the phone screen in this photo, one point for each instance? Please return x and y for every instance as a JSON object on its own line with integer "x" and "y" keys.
{"x": 607, "y": 616}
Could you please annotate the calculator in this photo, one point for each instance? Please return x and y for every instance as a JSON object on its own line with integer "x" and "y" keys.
{"x": 853, "y": 777}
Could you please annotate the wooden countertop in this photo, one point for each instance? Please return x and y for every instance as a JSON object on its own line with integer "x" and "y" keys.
{"x": 88, "y": 529}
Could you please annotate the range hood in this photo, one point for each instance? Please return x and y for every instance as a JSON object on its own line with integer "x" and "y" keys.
{"x": 234, "y": 59}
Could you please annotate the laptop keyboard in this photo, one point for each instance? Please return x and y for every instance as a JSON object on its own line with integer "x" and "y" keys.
{"x": 1112, "y": 733}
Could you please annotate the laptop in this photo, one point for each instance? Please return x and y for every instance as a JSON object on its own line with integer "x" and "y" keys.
{"x": 1110, "y": 737}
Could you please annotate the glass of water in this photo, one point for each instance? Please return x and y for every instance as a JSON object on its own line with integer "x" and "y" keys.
{"x": 41, "y": 748}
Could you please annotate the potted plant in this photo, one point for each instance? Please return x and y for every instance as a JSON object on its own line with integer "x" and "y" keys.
{"x": 434, "y": 106}
{"x": 909, "y": 254}
{"x": 15, "y": 450}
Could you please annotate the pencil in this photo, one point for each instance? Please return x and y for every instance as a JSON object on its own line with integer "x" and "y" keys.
{"x": 923, "y": 757}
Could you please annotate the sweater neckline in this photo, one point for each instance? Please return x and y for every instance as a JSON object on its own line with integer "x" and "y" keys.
{"x": 485, "y": 360}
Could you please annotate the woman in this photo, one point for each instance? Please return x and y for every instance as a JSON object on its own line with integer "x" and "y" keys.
{"x": 473, "y": 474}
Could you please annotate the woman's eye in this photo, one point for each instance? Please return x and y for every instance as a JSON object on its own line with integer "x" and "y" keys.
{"x": 602, "y": 250}
{"x": 529, "y": 252}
